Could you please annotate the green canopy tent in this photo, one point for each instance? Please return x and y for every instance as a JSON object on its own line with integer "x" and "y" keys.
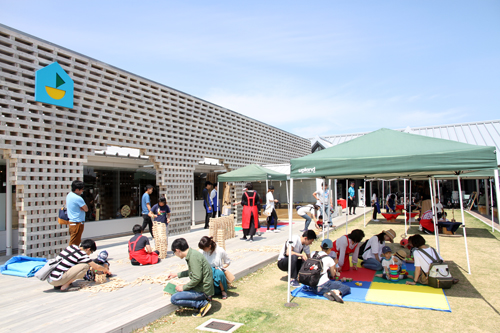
{"x": 387, "y": 154}
{"x": 252, "y": 172}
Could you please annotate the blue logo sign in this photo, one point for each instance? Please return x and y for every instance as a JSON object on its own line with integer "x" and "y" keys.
{"x": 54, "y": 86}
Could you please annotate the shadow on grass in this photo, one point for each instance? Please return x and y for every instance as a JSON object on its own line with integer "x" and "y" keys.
{"x": 464, "y": 289}
{"x": 471, "y": 232}
{"x": 188, "y": 312}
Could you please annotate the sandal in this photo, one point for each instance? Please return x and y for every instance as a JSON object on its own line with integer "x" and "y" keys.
{"x": 224, "y": 295}
{"x": 455, "y": 281}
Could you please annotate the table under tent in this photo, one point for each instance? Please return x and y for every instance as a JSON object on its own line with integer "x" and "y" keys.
{"x": 389, "y": 154}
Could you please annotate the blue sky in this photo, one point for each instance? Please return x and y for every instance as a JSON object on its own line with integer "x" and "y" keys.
{"x": 311, "y": 68}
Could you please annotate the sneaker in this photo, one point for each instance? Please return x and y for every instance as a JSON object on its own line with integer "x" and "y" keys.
{"x": 276, "y": 230}
{"x": 294, "y": 283}
{"x": 269, "y": 230}
{"x": 259, "y": 234}
{"x": 375, "y": 220}
{"x": 243, "y": 238}
{"x": 203, "y": 311}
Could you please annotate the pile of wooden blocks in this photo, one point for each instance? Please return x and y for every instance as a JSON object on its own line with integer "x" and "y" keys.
{"x": 100, "y": 278}
{"x": 161, "y": 241}
{"x": 222, "y": 228}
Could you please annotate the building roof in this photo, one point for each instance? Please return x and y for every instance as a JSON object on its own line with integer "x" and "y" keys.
{"x": 481, "y": 133}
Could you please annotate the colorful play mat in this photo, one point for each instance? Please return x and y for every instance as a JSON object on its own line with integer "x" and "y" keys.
{"x": 376, "y": 290}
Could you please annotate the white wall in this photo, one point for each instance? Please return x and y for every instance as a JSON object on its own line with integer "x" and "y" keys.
{"x": 3, "y": 239}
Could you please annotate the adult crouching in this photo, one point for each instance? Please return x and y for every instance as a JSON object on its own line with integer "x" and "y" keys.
{"x": 75, "y": 262}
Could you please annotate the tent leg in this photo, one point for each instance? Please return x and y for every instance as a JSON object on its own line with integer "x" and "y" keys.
{"x": 432, "y": 188}
{"x": 404, "y": 186}
{"x": 290, "y": 209}
{"x": 492, "y": 207}
{"x": 463, "y": 221}
{"x": 409, "y": 212}
{"x": 497, "y": 188}
{"x": 329, "y": 210}
{"x": 218, "y": 202}
{"x": 364, "y": 203}
{"x": 347, "y": 204}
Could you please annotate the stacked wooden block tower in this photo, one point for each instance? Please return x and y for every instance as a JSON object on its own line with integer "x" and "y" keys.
{"x": 222, "y": 228}
{"x": 161, "y": 241}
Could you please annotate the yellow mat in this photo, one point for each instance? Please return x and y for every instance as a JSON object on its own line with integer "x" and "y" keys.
{"x": 408, "y": 296}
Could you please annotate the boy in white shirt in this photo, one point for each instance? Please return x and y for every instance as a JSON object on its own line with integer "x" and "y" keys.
{"x": 333, "y": 290}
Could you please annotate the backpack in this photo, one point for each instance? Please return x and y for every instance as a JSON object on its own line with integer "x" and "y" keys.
{"x": 297, "y": 208}
{"x": 439, "y": 274}
{"x": 310, "y": 272}
{"x": 363, "y": 249}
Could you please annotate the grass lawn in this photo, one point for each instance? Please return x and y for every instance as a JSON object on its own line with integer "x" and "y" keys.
{"x": 258, "y": 300}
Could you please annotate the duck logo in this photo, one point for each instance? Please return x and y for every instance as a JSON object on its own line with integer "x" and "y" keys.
{"x": 54, "y": 86}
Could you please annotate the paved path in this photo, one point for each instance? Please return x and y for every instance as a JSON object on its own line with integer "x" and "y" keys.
{"x": 29, "y": 305}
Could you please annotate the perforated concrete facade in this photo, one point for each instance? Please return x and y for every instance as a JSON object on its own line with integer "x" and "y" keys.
{"x": 46, "y": 146}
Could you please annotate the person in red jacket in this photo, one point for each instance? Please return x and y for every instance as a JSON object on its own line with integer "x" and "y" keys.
{"x": 250, "y": 201}
{"x": 140, "y": 252}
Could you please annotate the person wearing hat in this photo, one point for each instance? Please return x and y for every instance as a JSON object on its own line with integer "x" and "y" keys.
{"x": 333, "y": 290}
{"x": 270, "y": 201}
{"x": 207, "y": 203}
{"x": 372, "y": 253}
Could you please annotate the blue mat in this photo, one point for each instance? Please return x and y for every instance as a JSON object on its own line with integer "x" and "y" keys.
{"x": 22, "y": 266}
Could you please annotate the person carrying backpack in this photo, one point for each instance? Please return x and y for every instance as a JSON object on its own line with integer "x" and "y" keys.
{"x": 333, "y": 290}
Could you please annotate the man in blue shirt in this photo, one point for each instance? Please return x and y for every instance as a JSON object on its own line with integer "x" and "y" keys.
{"x": 161, "y": 213}
{"x": 207, "y": 203}
{"x": 351, "y": 202}
{"x": 76, "y": 212}
{"x": 146, "y": 208}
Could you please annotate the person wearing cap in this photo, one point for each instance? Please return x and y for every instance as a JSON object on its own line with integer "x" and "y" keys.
{"x": 372, "y": 254}
{"x": 352, "y": 195}
{"x": 207, "y": 203}
{"x": 333, "y": 290}
{"x": 102, "y": 259}
{"x": 293, "y": 252}
{"x": 346, "y": 245}
{"x": 270, "y": 201}
{"x": 386, "y": 262}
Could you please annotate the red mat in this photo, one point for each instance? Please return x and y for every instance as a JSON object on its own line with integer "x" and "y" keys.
{"x": 362, "y": 274}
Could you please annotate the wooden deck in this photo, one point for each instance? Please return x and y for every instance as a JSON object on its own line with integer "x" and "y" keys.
{"x": 29, "y": 305}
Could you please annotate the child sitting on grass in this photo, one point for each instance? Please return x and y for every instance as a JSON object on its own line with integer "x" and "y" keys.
{"x": 389, "y": 260}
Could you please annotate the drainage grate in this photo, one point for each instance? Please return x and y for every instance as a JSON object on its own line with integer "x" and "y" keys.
{"x": 220, "y": 326}
{"x": 216, "y": 325}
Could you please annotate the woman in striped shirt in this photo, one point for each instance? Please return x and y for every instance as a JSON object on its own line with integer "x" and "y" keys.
{"x": 75, "y": 262}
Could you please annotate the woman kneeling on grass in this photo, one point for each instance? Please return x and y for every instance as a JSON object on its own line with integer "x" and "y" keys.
{"x": 219, "y": 260}
{"x": 422, "y": 262}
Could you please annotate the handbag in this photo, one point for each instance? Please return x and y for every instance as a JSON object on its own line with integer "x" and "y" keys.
{"x": 63, "y": 216}
{"x": 229, "y": 276}
{"x": 439, "y": 275}
{"x": 44, "y": 272}
{"x": 268, "y": 211}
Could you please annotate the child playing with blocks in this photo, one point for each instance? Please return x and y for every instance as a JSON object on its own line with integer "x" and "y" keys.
{"x": 389, "y": 260}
